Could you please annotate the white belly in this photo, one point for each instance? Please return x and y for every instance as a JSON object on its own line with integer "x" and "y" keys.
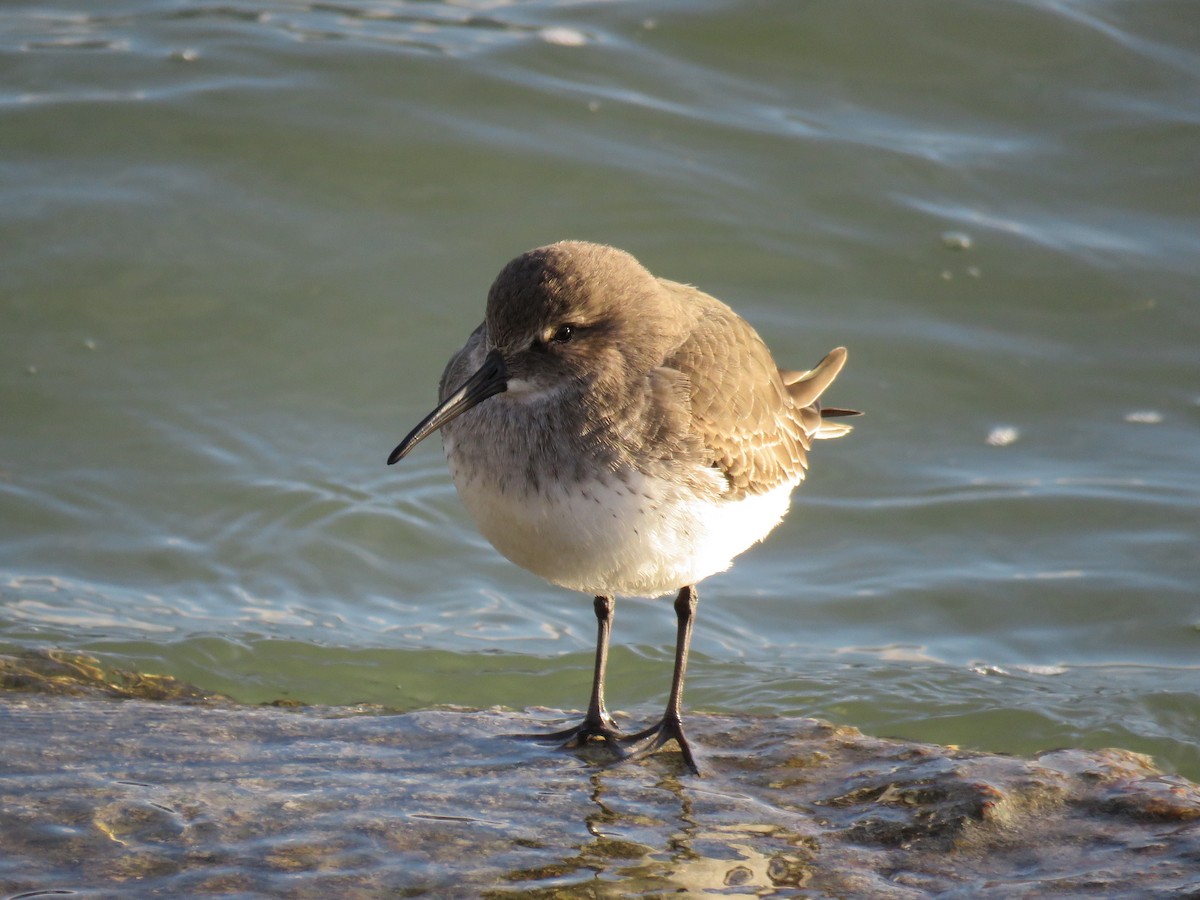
{"x": 634, "y": 536}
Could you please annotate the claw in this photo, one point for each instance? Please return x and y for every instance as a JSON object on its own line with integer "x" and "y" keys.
{"x": 584, "y": 733}
{"x": 668, "y": 729}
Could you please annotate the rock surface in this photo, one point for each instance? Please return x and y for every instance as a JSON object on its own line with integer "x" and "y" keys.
{"x": 124, "y": 797}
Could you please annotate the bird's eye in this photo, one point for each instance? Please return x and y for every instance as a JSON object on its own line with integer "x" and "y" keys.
{"x": 564, "y": 334}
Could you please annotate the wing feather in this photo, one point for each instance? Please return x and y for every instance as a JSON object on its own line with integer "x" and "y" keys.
{"x": 743, "y": 408}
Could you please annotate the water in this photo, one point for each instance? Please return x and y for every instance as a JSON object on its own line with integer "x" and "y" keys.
{"x": 239, "y": 240}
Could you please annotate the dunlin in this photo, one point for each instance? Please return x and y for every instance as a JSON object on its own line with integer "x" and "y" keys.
{"x": 618, "y": 433}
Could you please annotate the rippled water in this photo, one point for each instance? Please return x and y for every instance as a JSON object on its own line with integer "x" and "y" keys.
{"x": 238, "y": 241}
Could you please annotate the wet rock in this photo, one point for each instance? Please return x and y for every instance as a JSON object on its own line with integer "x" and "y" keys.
{"x": 56, "y": 671}
{"x": 108, "y": 797}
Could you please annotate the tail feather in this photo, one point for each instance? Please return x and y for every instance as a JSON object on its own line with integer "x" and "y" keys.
{"x": 806, "y": 388}
{"x": 831, "y": 430}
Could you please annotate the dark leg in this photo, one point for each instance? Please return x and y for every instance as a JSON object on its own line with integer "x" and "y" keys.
{"x": 597, "y": 724}
{"x": 597, "y": 712}
{"x": 671, "y": 726}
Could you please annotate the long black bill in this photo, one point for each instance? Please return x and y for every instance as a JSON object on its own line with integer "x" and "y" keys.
{"x": 489, "y": 380}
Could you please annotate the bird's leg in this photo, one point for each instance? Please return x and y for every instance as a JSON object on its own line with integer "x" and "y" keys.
{"x": 670, "y": 727}
{"x": 597, "y": 724}
{"x": 597, "y": 714}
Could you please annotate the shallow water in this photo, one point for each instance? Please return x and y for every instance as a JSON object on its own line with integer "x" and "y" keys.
{"x": 240, "y": 239}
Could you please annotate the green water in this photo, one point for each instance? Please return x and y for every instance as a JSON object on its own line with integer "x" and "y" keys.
{"x": 238, "y": 242}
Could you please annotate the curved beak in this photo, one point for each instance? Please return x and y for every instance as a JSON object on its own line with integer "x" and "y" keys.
{"x": 489, "y": 380}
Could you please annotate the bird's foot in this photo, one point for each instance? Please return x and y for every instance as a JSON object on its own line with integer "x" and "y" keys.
{"x": 669, "y": 728}
{"x": 592, "y": 730}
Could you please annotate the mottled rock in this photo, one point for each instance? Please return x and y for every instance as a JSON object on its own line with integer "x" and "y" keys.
{"x": 111, "y": 797}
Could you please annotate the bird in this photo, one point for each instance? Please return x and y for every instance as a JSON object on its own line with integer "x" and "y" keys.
{"x": 621, "y": 434}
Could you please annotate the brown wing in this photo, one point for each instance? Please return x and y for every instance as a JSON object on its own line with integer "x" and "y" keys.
{"x": 740, "y": 408}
